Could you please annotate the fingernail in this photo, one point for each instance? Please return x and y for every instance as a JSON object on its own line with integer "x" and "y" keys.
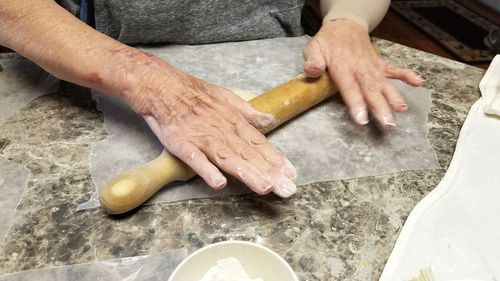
{"x": 420, "y": 80}
{"x": 387, "y": 120}
{"x": 361, "y": 117}
{"x": 403, "y": 107}
{"x": 289, "y": 170}
{"x": 219, "y": 181}
{"x": 285, "y": 189}
{"x": 314, "y": 65}
{"x": 266, "y": 121}
{"x": 266, "y": 184}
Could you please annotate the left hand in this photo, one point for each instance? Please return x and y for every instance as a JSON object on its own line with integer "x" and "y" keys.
{"x": 343, "y": 48}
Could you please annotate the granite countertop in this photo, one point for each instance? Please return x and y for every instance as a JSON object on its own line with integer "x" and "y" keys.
{"x": 341, "y": 230}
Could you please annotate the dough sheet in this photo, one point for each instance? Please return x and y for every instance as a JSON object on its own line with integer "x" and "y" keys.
{"x": 323, "y": 143}
{"x": 455, "y": 230}
{"x": 141, "y": 268}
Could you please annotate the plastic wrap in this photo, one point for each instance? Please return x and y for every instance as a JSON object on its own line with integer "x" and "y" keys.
{"x": 140, "y": 268}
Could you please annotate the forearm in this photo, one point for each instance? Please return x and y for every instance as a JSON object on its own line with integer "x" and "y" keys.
{"x": 206, "y": 126}
{"x": 69, "y": 49}
{"x": 367, "y": 13}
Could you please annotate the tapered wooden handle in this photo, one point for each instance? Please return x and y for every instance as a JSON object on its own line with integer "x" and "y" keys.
{"x": 131, "y": 189}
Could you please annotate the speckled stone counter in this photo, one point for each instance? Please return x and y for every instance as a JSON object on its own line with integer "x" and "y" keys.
{"x": 342, "y": 230}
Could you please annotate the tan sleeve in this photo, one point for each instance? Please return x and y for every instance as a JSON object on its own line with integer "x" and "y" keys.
{"x": 368, "y": 13}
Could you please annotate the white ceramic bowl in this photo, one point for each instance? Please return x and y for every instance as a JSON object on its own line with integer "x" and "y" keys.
{"x": 258, "y": 261}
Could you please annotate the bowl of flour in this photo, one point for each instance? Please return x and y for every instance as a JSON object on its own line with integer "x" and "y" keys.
{"x": 234, "y": 261}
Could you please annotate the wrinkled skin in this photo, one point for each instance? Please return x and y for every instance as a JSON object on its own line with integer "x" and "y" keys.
{"x": 343, "y": 48}
{"x": 211, "y": 129}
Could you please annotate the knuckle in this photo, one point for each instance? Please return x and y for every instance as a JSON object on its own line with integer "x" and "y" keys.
{"x": 175, "y": 146}
{"x": 241, "y": 127}
{"x": 371, "y": 90}
{"x": 248, "y": 153}
{"x": 275, "y": 158}
{"x": 233, "y": 117}
{"x": 391, "y": 68}
{"x": 353, "y": 97}
{"x": 192, "y": 155}
{"x": 258, "y": 139}
{"x": 204, "y": 141}
{"x": 395, "y": 98}
{"x": 223, "y": 155}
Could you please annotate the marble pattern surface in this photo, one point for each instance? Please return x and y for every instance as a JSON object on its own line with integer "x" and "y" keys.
{"x": 340, "y": 230}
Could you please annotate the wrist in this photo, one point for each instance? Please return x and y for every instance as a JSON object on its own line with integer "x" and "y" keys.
{"x": 344, "y": 24}
{"x": 131, "y": 75}
{"x": 347, "y": 18}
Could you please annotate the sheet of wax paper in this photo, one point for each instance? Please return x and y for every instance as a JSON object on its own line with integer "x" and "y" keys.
{"x": 21, "y": 81}
{"x": 323, "y": 143}
{"x": 13, "y": 179}
{"x": 455, "y": 230}
{"x": 141, "y": 268}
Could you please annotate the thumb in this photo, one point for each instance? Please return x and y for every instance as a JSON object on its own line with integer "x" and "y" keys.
{"x": 315, "y": 62}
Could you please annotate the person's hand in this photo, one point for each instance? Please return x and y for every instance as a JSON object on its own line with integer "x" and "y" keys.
{"x": 342, "y": 47}
{"x": 210, "y": 129}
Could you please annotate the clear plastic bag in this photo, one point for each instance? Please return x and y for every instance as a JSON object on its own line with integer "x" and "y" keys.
{"x": 142, "y": 268}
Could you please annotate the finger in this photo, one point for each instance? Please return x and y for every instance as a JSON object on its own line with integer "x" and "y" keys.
{"x": 315, "y": 64}
{"x": 267, "y": 151}
{"x": 372, "y": 93}
{"x": 196, "y": 159}
{"x": 227, "y": 160}
{"x": 282, "y": 184}
{"x": 251, "y": 114}
{"x": 190, "y": 155}
{"x": 285, "y": 188}
{"x": 351, "y": 94}
{"x": 394, "y": 98}
{"x": 404, "y": 75}
{"x": 153, "y": 124}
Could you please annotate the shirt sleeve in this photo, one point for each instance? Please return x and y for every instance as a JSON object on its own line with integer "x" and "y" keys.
{"x": 367, "y": 13}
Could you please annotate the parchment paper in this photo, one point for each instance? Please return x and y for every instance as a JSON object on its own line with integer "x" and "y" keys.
{"x": 13, "y": 179}
{"x": 455, "y": 229}
{"x": 141, "y": 268}
{"x": 22, "y": 81}
{"x": 323, "y": 143}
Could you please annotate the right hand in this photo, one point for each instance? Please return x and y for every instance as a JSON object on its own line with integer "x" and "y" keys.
{"x": 210, "y": 129}
{"x": 204, "y": 125}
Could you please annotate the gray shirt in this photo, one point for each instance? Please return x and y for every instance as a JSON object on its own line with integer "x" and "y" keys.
{"x": 194, "y": 21}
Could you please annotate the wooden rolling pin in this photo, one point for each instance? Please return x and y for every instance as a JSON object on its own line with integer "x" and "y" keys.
{"x": 129, "y": 190}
